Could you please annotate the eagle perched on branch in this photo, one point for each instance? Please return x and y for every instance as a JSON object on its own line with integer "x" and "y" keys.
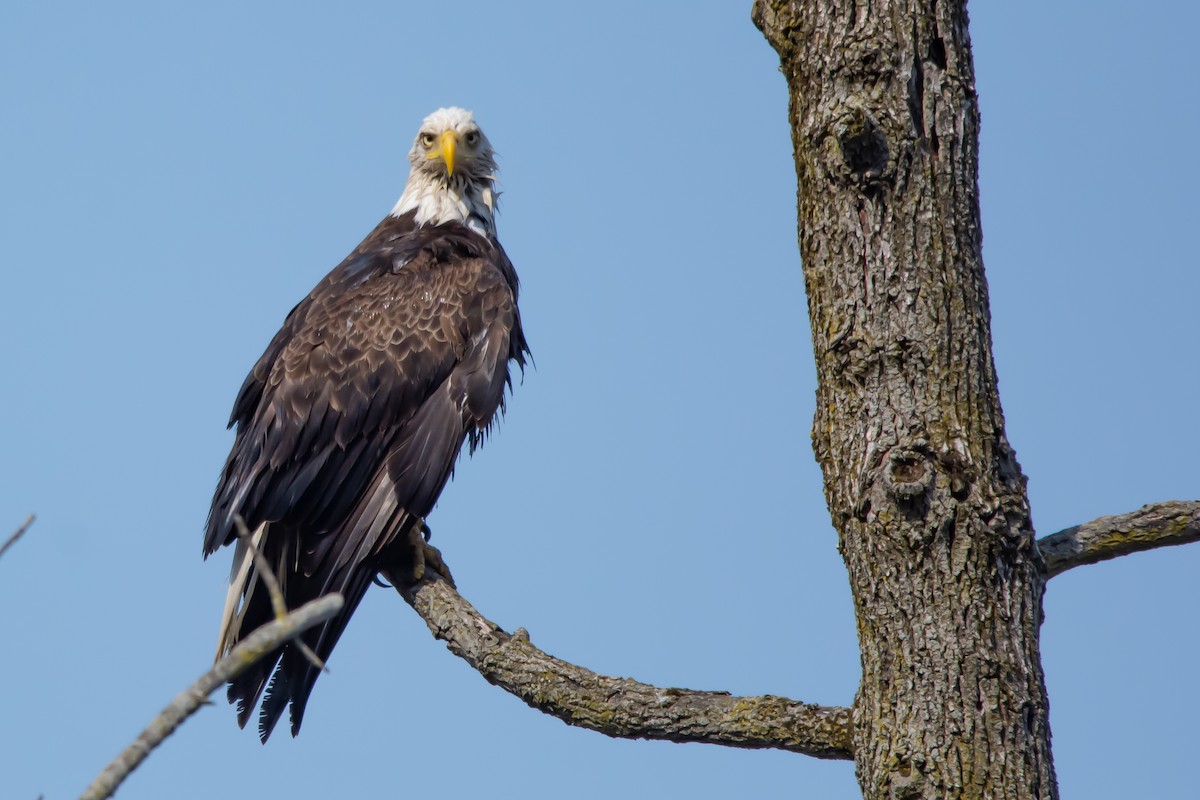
{"x": 349, "y": 425}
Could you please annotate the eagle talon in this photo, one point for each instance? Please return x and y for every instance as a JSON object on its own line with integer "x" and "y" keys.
{"x": 424, "y": 555}
{"x": 432, "y": 558}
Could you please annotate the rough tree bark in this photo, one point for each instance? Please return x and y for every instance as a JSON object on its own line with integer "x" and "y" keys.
{"x": 924, "y": 489}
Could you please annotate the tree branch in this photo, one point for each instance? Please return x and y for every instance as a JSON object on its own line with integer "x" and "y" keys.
{"x": 1155, "y": 525}
{"x": 17, "y": 534}
{"x": 274, "y": 590}
{"x": 622, "y": 707}
{"x": 248, "y": 651}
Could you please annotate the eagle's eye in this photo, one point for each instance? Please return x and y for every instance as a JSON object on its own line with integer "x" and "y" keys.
{"x": 472, "y": 138}
{"x": 427, "y": 140}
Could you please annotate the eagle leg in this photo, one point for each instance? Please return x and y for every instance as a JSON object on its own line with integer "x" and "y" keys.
{"x": 432, "y": 559}
{"x": 420, "y": 555}
{"x": 426, "y": 556}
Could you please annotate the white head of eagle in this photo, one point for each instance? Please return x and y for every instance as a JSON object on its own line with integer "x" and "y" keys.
{"x": 453, "y": 173}
{"x": 349, "y": 425}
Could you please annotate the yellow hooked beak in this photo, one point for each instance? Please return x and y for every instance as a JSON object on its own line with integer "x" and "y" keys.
{"x": 446, "y": 150}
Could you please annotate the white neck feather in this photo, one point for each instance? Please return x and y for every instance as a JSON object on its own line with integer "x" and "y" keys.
{"x": 437, "y": 202}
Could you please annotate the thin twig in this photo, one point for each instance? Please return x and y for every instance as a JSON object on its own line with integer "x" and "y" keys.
{"x": 278, "y": 605}
{"x": 248, "y": 651}
{"x": 1152, "y": 526}
{"x": 264, "y": 568}
{"x": 17, "y": 534}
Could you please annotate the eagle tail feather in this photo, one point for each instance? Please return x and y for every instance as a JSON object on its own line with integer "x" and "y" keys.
{"x": 295, "y": 675}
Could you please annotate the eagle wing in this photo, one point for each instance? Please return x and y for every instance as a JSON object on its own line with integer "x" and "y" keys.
{"x": 348, "y": 429}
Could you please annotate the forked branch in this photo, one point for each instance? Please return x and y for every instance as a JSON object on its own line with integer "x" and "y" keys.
{"x": 1156, "y": 525}
{"x": 622, "y": 707}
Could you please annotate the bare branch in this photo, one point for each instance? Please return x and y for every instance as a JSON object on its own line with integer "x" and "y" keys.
{"x": 249, "y": 650}
{"x": 274, "y": 590}
{"x": 1155, "y": 525}
{"x": 17, "y": 534}
{"x": 622, "y": 707}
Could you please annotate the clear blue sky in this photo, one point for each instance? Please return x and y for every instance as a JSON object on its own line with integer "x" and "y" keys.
{"x": 176, "y": 176}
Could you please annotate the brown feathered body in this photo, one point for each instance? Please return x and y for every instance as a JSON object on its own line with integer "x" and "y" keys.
{"x": 348, "y": 428}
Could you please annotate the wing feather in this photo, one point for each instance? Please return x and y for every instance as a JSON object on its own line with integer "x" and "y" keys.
{"x": 349, "y": 425}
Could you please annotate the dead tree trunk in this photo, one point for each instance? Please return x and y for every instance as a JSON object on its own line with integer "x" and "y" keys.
{"x": 924, "y": 489}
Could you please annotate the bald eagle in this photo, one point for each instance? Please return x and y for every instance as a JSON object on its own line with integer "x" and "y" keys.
{"x": 349, "y": 425}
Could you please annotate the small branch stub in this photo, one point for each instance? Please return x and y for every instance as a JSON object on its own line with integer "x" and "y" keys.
{"x": 909, "y": 474}
{"x": 863, "y": 144}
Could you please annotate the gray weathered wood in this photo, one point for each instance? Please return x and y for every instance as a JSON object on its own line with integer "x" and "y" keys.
{"x": 1152, "y": 526}
{"x": 248, "y": 651}
{"x": 622, "y": 707}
